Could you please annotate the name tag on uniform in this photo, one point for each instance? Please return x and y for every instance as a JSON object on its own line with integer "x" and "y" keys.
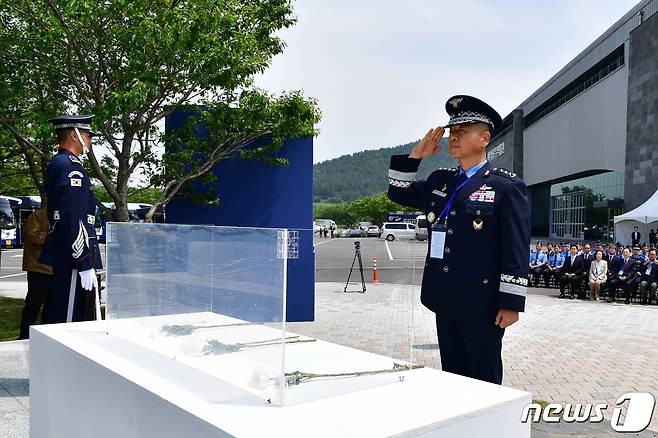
{"x": 437, "y": 244}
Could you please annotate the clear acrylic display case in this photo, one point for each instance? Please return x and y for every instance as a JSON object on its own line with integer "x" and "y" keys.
{"x": 192, "y": 303}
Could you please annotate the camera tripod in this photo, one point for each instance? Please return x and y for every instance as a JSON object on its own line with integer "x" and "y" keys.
{"x": 357, "y": 255}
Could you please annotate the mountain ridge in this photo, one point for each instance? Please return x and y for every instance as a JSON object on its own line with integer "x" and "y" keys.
{"x": 365, "y": 173}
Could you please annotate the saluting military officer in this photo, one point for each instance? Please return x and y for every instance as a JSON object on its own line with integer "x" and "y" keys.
{"x": 71, "y": 247}
{"x": 471, "y": 206}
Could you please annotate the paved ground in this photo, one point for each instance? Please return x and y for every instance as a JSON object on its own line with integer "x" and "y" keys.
{"x": 395, "y": 260}
{"x": 13, "y": 281}
{"x": 14, "y": 390}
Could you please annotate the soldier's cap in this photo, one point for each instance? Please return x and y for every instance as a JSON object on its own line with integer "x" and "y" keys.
{"x": 69, "y": 121}
{"x": 469, "y": 109}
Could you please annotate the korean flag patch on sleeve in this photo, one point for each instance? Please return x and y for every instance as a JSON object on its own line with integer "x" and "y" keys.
{"x": 76, "y": 182}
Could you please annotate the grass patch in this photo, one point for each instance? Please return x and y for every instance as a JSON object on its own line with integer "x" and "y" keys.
{"x": 542, "y": 403}
{"x": 10, "y": 318}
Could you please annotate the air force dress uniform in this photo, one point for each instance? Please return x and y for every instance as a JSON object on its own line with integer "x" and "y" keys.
{"x": 71, "y": 246}
{"x": 482, "y": 213}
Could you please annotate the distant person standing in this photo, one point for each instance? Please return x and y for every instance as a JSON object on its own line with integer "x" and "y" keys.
{"x": 39, "y": 276}
{"x": 652, "y": 238}
{"x": 71, "y": 247}
{"x": 635, "y": 237}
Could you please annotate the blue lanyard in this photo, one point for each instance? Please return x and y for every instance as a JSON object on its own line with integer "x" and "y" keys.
{"x": 444, "y": 212}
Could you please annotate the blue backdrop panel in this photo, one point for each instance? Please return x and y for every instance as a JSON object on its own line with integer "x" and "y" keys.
{"x": 255, "y": 194}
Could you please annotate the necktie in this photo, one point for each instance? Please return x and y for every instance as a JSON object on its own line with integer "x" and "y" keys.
{"x": 536, "y": 255}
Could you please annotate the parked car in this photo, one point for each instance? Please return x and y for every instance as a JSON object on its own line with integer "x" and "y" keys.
{"x": 421, "y": 227}
{"x": 355, "y": 232}
{"x": 398, "y": 230}
{"x": 373, "y": 230}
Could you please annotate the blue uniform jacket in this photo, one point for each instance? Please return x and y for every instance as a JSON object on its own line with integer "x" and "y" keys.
{"x": 484, "y": 267}
{"x": 71, "y": 242}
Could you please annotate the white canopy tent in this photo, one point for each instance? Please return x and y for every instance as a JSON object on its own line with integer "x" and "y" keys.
{"x": 644, "y": 217}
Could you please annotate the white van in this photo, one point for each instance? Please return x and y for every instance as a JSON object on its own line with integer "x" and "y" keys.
{"x": 398, "y": 230}
{"x": 421, "y": 227}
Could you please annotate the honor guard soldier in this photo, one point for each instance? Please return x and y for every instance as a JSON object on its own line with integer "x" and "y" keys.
{"x": 475, "y": 294}
{"x": 71, "y": 247}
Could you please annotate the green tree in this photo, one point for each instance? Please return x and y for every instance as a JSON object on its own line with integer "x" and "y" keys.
{"x": 133, "y": 62}
{"x": 367, "y": 209}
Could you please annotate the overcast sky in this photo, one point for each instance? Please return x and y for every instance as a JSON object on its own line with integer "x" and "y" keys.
{"x": 383, "y": 69}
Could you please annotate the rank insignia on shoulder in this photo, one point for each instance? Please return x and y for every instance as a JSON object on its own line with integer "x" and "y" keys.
{"x": 439, "y": 193}
{"x": 431, "y": 217}
{"x": 75, "y": 160}
{"x": 505, "y": 172}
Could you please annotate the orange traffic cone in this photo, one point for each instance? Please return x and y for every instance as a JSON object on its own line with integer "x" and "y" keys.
{"x": 375, "y": 276}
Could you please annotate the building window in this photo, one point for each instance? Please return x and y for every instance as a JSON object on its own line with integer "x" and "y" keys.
{"x": 585, "y": 208}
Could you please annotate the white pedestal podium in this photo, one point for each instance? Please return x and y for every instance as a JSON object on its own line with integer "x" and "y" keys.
{"x": 87, "y": 381}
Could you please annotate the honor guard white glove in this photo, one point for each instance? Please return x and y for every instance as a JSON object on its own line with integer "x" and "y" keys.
{"x": 88, "y": 279}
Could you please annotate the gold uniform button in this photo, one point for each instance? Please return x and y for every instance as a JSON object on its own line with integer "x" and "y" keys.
{"x": 453, "y": 212}
{"x": 446, "y": 269}
{"x": 485, "y": 281}
{"x": 477, "y": 212}
{"x": 449, "y": 230}
{"x": 447, "y": 251}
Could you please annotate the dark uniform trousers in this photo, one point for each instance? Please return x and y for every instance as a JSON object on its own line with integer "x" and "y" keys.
{"x": 39, "y": 290}
{"x": 471, "y": 350}
{"x": 59, "y": 306}
{"x": 490, "y": 212}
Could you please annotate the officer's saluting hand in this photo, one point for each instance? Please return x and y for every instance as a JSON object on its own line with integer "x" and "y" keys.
{"x": 429, "y": 145}
{"x": 470, "y": 206}
{"x": 71, "y": 247}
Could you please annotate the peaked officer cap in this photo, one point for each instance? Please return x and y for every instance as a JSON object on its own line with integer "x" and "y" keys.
{"x": 68, "y": 121}
{"x": 468, "y": 109}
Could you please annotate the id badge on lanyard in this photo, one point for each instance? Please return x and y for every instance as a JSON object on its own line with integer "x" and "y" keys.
{"x": 438, "y": 241}
{"x": 439, "y": 228}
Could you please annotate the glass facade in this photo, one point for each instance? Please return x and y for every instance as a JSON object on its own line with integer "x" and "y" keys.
{"x": 584, "y": 208}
